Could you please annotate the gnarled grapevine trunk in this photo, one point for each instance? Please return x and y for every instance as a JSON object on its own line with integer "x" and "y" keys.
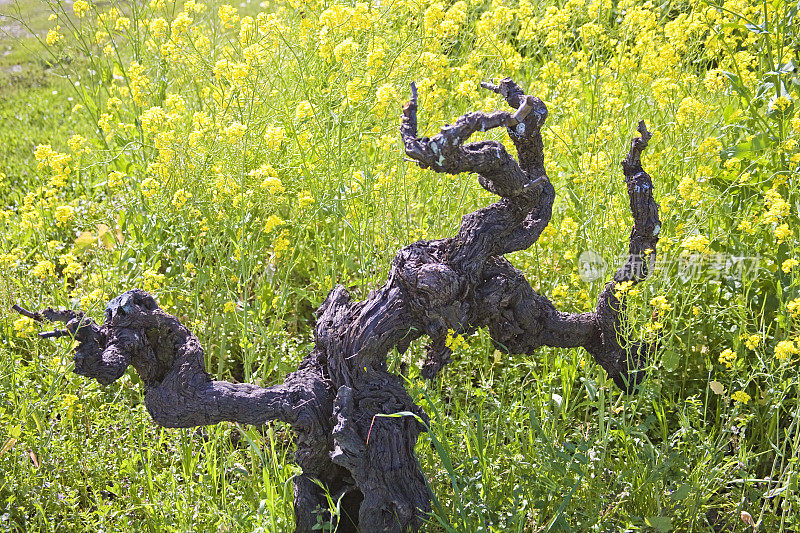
{"x": 459, "y": 284}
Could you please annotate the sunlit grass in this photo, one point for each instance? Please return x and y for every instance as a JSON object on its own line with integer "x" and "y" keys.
{"x": 239, "y": 167}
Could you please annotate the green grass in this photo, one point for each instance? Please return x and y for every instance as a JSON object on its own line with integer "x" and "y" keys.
{"x": 22, "y": 67}
{"x": 542, "y": 443}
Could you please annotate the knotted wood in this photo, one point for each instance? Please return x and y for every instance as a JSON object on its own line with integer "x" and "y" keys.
{"x": 434, "y": 287}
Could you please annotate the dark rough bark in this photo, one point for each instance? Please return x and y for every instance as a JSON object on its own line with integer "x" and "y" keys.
{"x": 457, "y": 284}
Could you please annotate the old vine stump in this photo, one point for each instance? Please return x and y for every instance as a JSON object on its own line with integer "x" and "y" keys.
{"x": 460, "y": 284}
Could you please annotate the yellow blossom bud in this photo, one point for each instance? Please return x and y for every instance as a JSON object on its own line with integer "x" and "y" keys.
{"x": 740, "y": 397}
{"x": 80, "y": 7}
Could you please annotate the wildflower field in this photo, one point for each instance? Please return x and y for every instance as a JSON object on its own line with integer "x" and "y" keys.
{"x": 237, "y": 161}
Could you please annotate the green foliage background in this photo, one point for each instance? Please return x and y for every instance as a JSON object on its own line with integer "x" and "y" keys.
{"x": 239, "y": 161}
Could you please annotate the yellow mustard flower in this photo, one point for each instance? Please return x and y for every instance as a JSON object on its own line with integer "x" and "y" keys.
{"x": 53, "y": 36}
{"x": 44, "y": 269}
{"x": 782, "y": 232}
{"x": 24, "y": 327}
{"x": 751, "y": 341}
{"x": 272, "y": 222}
{"x": 794, "y": 308}
{"x": 281, "y": 244}
{"x": 784, "y": 350}
{"x": 740, "y": 397}
{"x": 274, "y": 137}
{"x": 228, "y": 15}
{"x": 696, "y": 243}
{"x": 150, "y": 187}
{"x": 80, "y": 7}
{"x": 303, "y": 111}
{"x": 304, "y": 199}
{"x": 661, "y": 303}
{"x": 727, "y": 357}
{"x": 789, "y": 264}
{"x": 455, "y": 342}
{"x": 63, "y": 214}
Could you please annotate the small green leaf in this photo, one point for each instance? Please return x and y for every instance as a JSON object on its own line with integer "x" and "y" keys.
{"x": 681, "y": 493}
{"x": 670, "y": 360}
{"x": 662, "y": 524}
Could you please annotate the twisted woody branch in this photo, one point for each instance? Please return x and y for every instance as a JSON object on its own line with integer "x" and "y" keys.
{"x": 460, "y": 284}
